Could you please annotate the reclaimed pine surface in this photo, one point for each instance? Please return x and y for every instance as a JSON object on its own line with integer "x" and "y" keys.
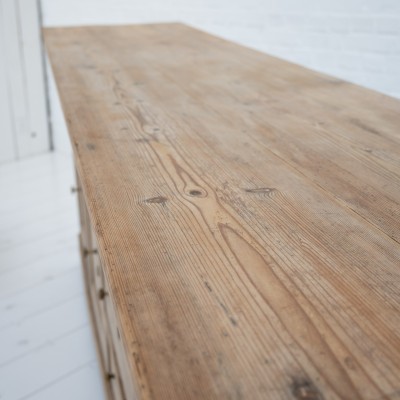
{"x": 247, "y": 213}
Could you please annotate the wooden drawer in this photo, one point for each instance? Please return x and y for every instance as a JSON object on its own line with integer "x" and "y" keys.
{"x": 115, "y": 381}
{"x": 118, "y": 361}
{"x": 97, "y": 311}
{"x": 115, "y": 361}
{"x": 97, "y": 269}
{"x": 83, "y": 217}
{"x": 117, "y": 377}
{"x": 119, "y": 353}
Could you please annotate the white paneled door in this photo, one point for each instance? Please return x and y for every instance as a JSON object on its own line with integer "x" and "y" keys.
{"x": 23, "y": 113}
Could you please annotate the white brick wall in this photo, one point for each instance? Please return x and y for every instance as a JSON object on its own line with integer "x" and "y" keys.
{"x": 356, "y": 40}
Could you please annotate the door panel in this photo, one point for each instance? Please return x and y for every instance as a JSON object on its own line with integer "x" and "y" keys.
{"x": 22, "y": 84}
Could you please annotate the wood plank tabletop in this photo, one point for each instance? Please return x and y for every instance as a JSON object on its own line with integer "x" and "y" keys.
{"x": 247, "y": 213}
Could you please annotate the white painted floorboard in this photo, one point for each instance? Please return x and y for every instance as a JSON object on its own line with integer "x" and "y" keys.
{"x": 46, "y": 345}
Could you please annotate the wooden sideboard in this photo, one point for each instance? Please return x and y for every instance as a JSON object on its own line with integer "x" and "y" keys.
{"x": 240, "y": 218}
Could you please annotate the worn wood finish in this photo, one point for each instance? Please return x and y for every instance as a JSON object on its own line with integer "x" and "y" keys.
{"x": 246, "y": 210}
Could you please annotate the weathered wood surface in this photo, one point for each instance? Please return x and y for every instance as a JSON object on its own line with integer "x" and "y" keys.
{"x": 247, "y": 213}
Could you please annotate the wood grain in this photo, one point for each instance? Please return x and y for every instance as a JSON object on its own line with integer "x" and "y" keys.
{"x": 247, "y": 214}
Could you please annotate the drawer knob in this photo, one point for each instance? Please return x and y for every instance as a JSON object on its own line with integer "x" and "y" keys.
{"x": 88, "y": 252}
{"x": 102, "y": 294}
{"x": 75, "y": 189}
{"x": 109, "y": 376}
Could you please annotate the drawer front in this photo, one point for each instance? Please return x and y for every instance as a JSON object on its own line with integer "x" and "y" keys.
{"x": 98, "y": 274}
{"x": 118, "y": 362}
{"x": 116, "y": 371}
{"x": 83, "y": 217}
{"x": 97, "y": 311}
{"x": 116, "y": 384}
{"x": 119, "y": 352}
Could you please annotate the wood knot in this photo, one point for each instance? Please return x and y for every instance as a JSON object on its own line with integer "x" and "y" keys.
{"x": 158, "y": 199}
{"x": 197, "y": 193}
{"x": 304, "y": 389}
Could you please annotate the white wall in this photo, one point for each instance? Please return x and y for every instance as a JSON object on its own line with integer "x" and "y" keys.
{"x": 356, "y": 40}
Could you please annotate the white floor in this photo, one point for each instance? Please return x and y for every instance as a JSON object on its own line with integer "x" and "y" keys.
{"x": 46, "y": 345}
